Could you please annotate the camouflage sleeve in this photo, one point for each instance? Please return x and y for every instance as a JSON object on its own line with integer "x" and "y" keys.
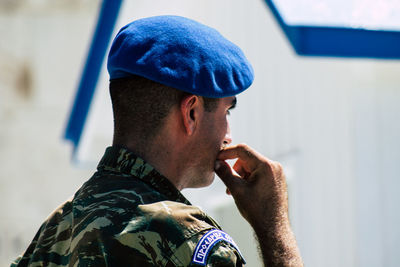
{"x": 222, "y": 254}
{"x": 16, "y": 261}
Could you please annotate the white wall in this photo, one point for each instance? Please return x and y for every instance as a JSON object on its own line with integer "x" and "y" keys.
{"x": 42, "y": 47}
{"x": 333, "y": 123}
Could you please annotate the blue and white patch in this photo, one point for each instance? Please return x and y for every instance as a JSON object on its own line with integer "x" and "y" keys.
{"x": 207, "y": 242}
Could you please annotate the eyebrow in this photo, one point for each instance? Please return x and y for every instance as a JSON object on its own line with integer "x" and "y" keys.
{"x": 233, "y": 105}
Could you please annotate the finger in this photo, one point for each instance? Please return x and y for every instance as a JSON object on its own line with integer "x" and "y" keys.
{"x": 250, "y": 158}
{"x": 240, "y": 168}
{"x": 224, "y": 171}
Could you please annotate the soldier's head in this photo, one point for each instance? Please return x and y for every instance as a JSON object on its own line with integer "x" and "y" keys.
{"x": 140, "y": 107}
{"x": 172, "y": 83}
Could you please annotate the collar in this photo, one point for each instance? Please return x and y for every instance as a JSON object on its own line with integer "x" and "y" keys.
{"x": 120, "y": 159}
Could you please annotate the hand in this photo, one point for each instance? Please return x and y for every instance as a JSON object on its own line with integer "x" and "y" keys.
{"x": 260, "y": 188}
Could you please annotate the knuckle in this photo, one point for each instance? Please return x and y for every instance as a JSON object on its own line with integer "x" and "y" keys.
{"x": 243, "y": 147}
{"x": 278, "y": 168}
{"x": 278, "y": 165}
{"x": 274, "y": 166}
{"x": 268, "y": 165}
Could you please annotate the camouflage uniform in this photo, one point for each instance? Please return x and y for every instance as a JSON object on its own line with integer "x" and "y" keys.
{"x": 127, "y": 214}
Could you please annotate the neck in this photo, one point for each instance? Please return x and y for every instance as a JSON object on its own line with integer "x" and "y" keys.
{"x": 165, "y": 152}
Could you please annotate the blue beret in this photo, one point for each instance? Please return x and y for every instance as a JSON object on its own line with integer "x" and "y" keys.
{"x": 180, "y": 53}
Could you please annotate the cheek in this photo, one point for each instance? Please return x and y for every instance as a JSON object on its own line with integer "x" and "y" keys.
{"x": 225, "y": 130}
{"x": 221, "y": 131}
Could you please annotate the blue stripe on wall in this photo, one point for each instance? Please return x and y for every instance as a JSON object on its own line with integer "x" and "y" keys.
{"x": 102, "y": 35}
{"x": 339, "y": 41}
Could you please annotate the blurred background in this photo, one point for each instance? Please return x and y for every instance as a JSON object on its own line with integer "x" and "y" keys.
{"x": 333, "y": 122}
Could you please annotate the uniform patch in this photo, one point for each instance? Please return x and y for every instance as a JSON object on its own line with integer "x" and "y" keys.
{"x": 207, "y": 242}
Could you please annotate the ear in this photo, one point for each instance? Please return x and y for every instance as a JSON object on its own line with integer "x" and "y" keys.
{"x": 190, "y": 110}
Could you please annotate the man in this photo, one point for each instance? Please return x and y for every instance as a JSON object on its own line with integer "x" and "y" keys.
{"x": 172, "y": 84}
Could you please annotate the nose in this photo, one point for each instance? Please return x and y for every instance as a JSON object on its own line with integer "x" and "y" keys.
{"x": 228, "y": 137}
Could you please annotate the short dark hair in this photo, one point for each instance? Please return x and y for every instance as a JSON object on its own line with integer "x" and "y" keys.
{"x": 140, "y": 105}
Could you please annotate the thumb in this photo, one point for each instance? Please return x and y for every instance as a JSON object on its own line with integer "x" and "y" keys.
{"x": 224, "y": 171}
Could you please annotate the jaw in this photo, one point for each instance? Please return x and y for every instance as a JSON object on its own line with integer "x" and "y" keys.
{"x": 198, "y": 177}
